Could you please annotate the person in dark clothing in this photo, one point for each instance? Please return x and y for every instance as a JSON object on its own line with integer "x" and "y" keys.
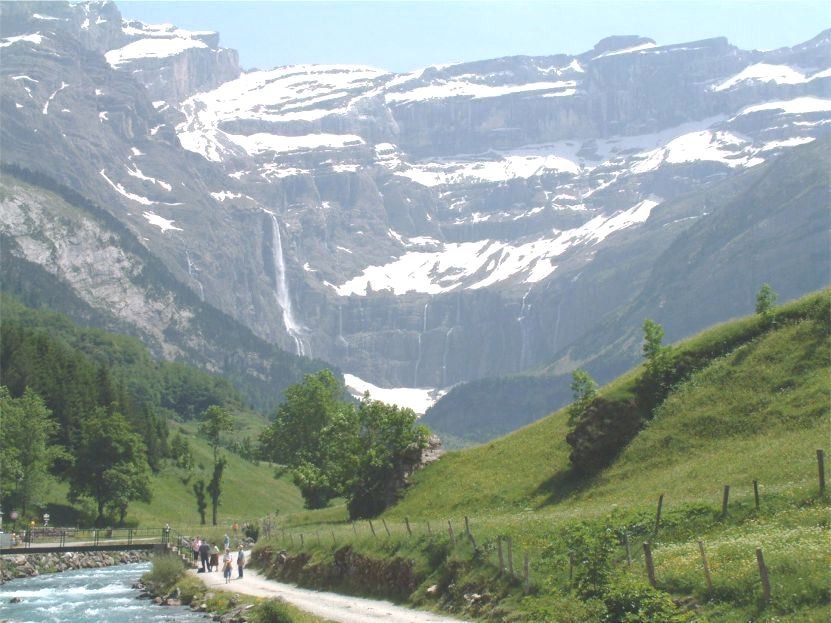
{"x": 205, "y": 555}
{"x": 240, "y": 561}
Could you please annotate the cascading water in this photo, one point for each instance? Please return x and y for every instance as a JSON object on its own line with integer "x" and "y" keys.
{"x": 523, "y": 331}
{"x": 423, "y": 331}
{"x": 281, "y": 284}
{"x": 444, "y": 356}
{"x": 191, "y": 268}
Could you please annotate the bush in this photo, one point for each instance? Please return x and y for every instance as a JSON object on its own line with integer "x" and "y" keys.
{"x": 271, "y": 611}
{"x": 630, "y": 600}
{"x": 251, "y": 531}
{"x": 167, "y": 570}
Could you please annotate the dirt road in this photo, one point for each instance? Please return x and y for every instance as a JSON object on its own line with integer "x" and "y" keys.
{"x": 331, "y": 606}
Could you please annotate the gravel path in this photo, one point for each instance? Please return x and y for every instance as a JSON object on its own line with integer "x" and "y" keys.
{"x": 331, "y": 606}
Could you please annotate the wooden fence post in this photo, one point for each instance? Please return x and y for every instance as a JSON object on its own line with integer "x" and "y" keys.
{"x": 527, "y": 573}
{"x": 429, "y": 529}
{"x": 724, "y": 500}
{"x": 628, "y": 551}
{"x": 706, "y": 568}
{"x": 334, "y": 541}
{"x": 291, "y": 539}
{"x": 467, "y": 525}
{"x": 318, "y": 537}
{"x": 821, "y": 470}
{"x": 510, "y": 557}
{"x": 501, "y": 556}
{"x": 650, "y": 565}
{"x": 354, "y": 529}
{"x": 409, "y": 530}
{"x": 450, "y": 531}
{"x": 756, "y": 493}
{"x": 763, "y": 575}
{"x": 384, "y": 521}
{"x": 371, "y": 527}
{"x": 658, "y": 513}
{"x": 302, "y": 544}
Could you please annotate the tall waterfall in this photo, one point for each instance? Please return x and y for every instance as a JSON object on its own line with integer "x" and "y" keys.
{"x": 423, "y": 331}
{"x": 293, "y": 327}
{"x": 191, "y": 273}
{"x": 523, "y": 331}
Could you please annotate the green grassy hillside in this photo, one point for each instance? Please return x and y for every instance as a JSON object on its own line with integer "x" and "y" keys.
{"x": 768, "y": 397}
{"x": 249, "y": 492}
{"x": 756, "y": 408}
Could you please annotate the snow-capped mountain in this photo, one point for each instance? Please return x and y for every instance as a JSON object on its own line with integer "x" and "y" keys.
{"x": 417, "y": 230}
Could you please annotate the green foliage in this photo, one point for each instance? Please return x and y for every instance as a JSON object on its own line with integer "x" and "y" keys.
{"x": 630, "y": 600}
{"x": 215, "y": 421}
{"x": 583, "y": 391}
{"x": 201, "y": 503}
{"x": 590, "y": 547}
{"x": 167, "y": 569}
{"x": 765, "y": 300}
{"x": 214, "y": 487}
{"x": 618, "y": 413}
{"x": 310, "y": 406}
{"x": 387, "y": 444}
{"x": 270, "y": 611}
{"x": 181, "y": 453}
{"x": 336, "y": 448}
{"x": 110, "y": 464}
{"x": 26, "y": 428}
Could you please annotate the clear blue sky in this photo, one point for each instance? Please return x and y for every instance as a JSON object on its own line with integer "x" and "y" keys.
{"x": 406, "y": 35}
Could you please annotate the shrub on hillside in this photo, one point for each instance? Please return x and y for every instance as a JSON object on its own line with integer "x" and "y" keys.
{"x": 166, "y": 571}
{"x": 271, "y": 611}
{"x": 631, "y": 600}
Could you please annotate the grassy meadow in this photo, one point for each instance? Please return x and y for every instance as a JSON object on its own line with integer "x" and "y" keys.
{"x": 757, "y": 411}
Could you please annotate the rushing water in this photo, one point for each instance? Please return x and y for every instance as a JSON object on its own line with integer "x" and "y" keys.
{"x": 87, "y": 596}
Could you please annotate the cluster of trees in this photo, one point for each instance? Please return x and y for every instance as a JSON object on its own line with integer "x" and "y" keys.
{"x": 600, "y": 426}
{"x": 337, "y": 448}
{"x": 91, "y": 408}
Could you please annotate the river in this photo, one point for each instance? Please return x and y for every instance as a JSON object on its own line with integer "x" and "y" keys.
{"x": 87, "y": 596}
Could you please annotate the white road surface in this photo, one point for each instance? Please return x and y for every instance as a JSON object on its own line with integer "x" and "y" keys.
{"x": 331, "y": 606}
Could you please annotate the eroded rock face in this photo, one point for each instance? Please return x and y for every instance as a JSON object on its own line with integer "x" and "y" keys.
{"x": 417, "y": 230}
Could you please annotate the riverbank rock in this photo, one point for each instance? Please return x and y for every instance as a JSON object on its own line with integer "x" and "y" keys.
{"x": 20, "y": 565}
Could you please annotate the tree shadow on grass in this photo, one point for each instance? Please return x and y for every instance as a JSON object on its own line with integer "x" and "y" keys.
{"x": 562, "y": 485}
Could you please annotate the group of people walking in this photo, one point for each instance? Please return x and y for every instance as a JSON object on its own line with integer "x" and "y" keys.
{"x": 208, "y": 557}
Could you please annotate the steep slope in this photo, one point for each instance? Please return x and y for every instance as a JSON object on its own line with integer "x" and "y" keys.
{"x": 759, "y": 412}
{"x": 418, "y": 230}
{"x": 61, "y": 251}
{"x": 768, "y": 225}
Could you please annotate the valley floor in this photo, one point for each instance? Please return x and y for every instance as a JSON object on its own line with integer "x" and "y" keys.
{"x": 330, "y": 606}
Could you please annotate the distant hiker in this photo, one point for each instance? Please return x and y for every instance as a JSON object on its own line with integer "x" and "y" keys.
{"x": 214, "y": 566}
{"x": 227, "y": 541}
{"x": 226, "y": 566}
{"x": 195, "y": 547}
{"x": 235, "y": 528}
{"x": 240, "y": 562}
{"x": 204, "y": 555}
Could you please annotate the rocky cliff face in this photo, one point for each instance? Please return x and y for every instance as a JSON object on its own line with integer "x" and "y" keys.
{"x": 417, "y": 230}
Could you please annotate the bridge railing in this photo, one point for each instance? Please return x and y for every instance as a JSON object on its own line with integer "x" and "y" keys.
{"x": 65, "y": 537}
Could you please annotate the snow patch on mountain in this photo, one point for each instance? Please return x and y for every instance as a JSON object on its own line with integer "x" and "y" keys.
{"x": 483, "y": 263}
{"x": 462, "y": 87}
{"x": 150, "y": 48}
{"x": 796, "y": 106}
{"x": 160, "y": 222}
{"x": 35, "y": 38}
{"x": 417, "y": 399}
{"x": 764, "y": 72}
{"x": 715, "y": 146}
